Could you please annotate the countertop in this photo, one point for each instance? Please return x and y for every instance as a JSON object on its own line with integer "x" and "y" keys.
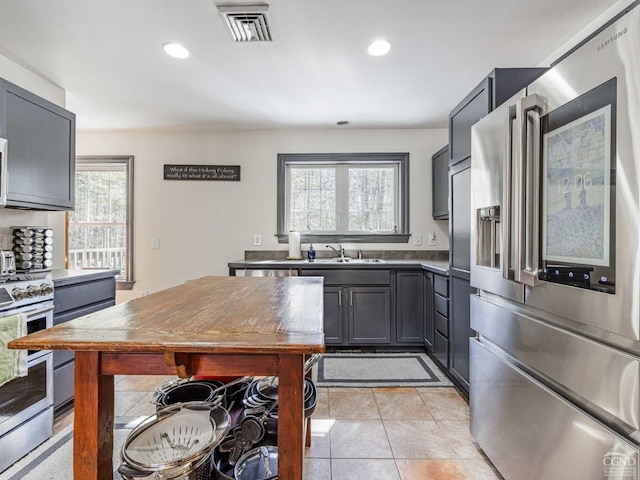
{"x": 440, "y": 267}
{"x": 65, "y": 277}
{"x": 207, "y": 315}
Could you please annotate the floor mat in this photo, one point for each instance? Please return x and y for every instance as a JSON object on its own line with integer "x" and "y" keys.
{"x": 378, "y": 370}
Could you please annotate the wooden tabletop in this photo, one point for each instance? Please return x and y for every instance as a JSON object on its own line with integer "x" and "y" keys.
{"x": 210, "y": 314}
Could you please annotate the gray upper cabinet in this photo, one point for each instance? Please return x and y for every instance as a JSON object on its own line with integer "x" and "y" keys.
{"x": 40, "y": 150}
{"x": 440, "y": 184}
{"x": 494, "y": 89}
{"x": 474, "y": 106}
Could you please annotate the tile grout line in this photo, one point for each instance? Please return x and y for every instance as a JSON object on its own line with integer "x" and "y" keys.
{"x": 386, "y": 434}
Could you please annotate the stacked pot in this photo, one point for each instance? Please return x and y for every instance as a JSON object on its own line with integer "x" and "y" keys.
{"x": 204, "y": 429}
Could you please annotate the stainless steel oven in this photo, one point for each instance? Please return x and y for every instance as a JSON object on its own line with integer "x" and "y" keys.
{"x": 26, "y": 403}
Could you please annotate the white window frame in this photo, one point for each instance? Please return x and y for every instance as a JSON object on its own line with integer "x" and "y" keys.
{"x": 106, "y": 162}
{"x": 342, "y": 162}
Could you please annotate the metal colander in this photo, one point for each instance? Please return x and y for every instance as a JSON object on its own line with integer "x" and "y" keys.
{"x": 176, "y": 440}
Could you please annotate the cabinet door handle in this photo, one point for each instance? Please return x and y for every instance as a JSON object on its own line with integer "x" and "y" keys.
{"x": 4, "y": 172}
{"x": 351, "y": 298}
{"x": 339, "y": 298}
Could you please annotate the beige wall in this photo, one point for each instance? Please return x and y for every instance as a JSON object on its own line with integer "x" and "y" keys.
{"x": 204, "y": 225}
{"x": 21, "y": 76}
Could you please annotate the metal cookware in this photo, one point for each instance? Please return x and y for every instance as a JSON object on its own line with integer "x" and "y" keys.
{"x": 247, "y": 434}
{"x": 175, "y": 444}
{"x": 258, "y": 464}
{"x": 187, "y": 391}
{"x": 180, "y": 391}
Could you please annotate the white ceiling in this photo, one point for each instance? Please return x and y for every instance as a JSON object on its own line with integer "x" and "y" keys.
{"x": 107, "y": 56}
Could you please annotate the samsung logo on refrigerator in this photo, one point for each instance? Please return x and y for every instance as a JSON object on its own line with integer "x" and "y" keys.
{"x": 612, "y": 39}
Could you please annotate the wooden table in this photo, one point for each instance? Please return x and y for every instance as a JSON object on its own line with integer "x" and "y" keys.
{"x": 210, "y": 326}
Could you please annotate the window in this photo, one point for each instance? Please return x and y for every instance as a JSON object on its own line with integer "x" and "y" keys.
{"x": 360, "y": 197}
{"x": 100, "y": 229}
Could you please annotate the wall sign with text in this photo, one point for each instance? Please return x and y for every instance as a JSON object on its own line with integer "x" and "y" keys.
{"x": 202, "y": 172}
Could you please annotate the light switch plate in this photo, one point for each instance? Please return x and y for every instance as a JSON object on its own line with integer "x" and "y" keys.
{"x": 155, "y": 242}
{"x": 432, "y": 239}
{"x": 417, "y": 239}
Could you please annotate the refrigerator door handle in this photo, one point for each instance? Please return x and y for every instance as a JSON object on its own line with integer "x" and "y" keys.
{"x": 507, "y": 198}
{"x": 526, "y": 195}
{"x": 4, "y": 179}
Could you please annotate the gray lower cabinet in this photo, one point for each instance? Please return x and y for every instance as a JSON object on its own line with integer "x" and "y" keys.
{"x": 369, "y": 315}
{"x": 357, "y": 306}
{"x": 410, "y": 302}
{"x": 75, "y": 297}
{"x": 441, "y": 320}
{"x": 373, "y": 306}
{"x": 428, "y": 311}
{"x": 333, "y": 316}
{"x": 461, "y": 331}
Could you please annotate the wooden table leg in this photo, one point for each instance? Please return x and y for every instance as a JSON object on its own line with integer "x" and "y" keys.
{"x": 290, "y": 417}
{"x": 307, "y": 437}
{"x": 93, "y": 422}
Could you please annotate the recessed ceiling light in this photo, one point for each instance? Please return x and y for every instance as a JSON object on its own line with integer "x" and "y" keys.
{"x": 342, "y": 123}
{"x": 379, "y": 47}
{"x": 175, "y": 50}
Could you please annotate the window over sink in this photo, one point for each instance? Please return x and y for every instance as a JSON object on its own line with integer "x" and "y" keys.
{"x": 100, "y": 230}
{"x": 347, "y": 197}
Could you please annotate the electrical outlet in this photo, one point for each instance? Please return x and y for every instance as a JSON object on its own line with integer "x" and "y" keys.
{"x": 417, "y": 239}
{"x": 155, "y": 242}
{"x": 6, "y": 237}
{"x": 257, "y": 239}
{"x": 144, "y": 293}
{"x": 432, "y": 239}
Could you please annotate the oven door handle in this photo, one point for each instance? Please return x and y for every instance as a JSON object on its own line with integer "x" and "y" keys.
{"x": 40, "y": 311}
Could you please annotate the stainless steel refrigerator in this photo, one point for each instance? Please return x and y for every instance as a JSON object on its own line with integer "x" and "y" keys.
{"x": 555, "y": 179}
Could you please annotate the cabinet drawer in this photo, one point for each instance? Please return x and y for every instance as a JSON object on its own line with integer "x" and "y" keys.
{"x": 350, "y": 277}
{"x": 441, "y": 304}
{"x": 504, "y": 394}
{"x": 441, "y": 349}
{"x": 79, "y": 312}
{"x": 62, "y": 356}
{"x": 63, "y": 380}
{"x": 81, "y": 294}
{"x": 441, "y": 285}
{"x": 442, "y": 324}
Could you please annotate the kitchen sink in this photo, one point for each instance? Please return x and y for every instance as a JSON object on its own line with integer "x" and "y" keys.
{"x": 325, "y": 260}
{"x": 349, "y": 260}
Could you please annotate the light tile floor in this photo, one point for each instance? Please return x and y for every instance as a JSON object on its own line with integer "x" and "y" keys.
{"x": 365, "y": 433}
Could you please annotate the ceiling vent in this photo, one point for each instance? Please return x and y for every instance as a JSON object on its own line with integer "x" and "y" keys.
{"x": 247, "y": 23}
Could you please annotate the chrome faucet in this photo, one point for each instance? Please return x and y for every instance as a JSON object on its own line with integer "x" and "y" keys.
{"x": 339, "y": 253}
